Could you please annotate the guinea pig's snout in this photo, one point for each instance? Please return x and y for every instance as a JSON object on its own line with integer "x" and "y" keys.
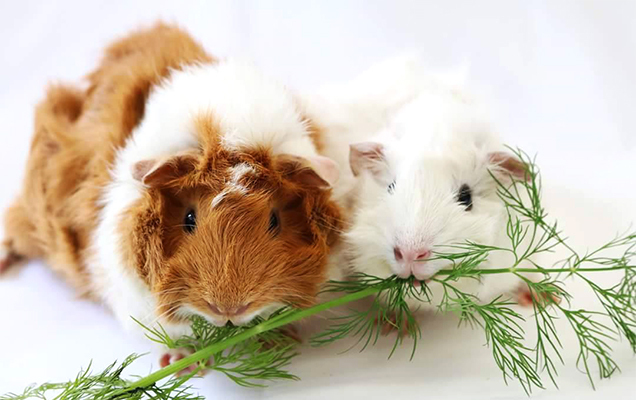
{"x": 235, "y": 314}
{"x": 411, "y": 261}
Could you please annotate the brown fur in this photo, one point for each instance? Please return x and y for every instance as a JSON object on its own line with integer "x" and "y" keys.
{"x": 76, "y": 136}
{"x": 316, "y": 133}
{"x": 232, "y": 260}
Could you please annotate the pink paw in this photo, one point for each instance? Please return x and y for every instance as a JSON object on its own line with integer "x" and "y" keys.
{"x": 526, "y": 298}
{"x": 390, "y": 325}
{"x": 291, "y": 332}
{"x": 288, "y": 331}
{"x": 172, "y": 356}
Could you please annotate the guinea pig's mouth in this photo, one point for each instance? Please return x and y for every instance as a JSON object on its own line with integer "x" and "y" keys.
{"x": 219, "y": 320}
{"x": 420, "y": 270}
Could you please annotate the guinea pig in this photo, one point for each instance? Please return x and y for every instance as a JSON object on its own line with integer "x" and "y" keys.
{"x": 176, "y": 185}
{"x": 424, "y": 185}
{"x": 353, "y": 111}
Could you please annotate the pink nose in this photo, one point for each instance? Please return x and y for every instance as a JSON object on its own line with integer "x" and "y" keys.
{"x": 408, "y": 256}
{"x": 410, "y": 262}
{"x": 230, "y": 311}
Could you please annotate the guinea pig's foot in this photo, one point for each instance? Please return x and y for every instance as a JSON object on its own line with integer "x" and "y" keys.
{"x": 8, "y": 257}
{"x": 290, "y": 336}
{"x": 389, "y": 325}
{"x": 526, "y": 298}
{"x": 291, "y": 332}
{"x": 174, "y": 355}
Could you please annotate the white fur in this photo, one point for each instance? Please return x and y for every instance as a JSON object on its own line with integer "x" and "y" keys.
{"x": 265, "y": 312}
{"x": 219, "y": 197}
{"x": 250, "y": 110}
{"x": 238, "y": 171}
{"x": 234, "y": 185}
{"x": 436, "y": 137}
{"x": 355, "y": 111}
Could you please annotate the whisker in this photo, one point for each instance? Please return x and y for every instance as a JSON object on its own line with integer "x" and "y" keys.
{"x": 163, "y": 314}
{"x": 172, "y": 290}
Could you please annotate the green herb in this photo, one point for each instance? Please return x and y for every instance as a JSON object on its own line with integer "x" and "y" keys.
{"x": 257, "y": 353}
{"x": 107, "y": 384}
{"x": 261, "y": 357}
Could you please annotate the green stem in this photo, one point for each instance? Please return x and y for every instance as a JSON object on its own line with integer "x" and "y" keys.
{"x": 268, "y": 325}
{"x": 540, "y": 270}
{"x": 287, "y": 318}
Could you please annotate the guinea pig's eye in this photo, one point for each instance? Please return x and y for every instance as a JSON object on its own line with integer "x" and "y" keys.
{"x": 274, "y": 222}
{"x": 391, "y": 187}
{"x": 190, "y": 221}
{"x": 465, "y": 197}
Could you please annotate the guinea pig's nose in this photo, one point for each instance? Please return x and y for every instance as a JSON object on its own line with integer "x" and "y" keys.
{"x": 215, "y": 309}
{"x": 398, "y": 254}
{"x": 410, "y": 255}
{"x": 230, "y": 311}
{"x": 238, "y": 310}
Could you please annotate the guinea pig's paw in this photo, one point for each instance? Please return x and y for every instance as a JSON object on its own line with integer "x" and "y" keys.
{"x": 526, "y": 298}
{"x": 174, "y": 355}
{"x": 389, "y": 325}
{"x": 290, "y": 336}
{"x": 291, "y": 332}
{"x": 7, "y": 257}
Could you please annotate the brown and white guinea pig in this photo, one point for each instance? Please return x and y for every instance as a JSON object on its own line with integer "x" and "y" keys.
{"x": 422, "y": 180}
{"x": 177, "y": 185}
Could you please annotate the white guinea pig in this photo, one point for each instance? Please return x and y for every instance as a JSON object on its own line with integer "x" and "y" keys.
{"x": 424, "y": 184}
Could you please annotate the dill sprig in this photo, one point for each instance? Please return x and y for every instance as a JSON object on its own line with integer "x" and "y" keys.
{"x": 388, "y": 308}
{"x": 107, "y": 384}
{"x": 530, "y": 234}
{"x": 248, "y": 363}
{"x": 257, "y": 353}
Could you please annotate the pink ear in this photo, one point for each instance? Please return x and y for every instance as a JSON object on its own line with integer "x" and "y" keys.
{"x": 300, "y": 170}
{"x": 510, "y": 164}
{"x": 157, "y": 173}
{"x": 326, "y": 168}
{"x": 366, "y": 156}
{"x": 142, "y": 168}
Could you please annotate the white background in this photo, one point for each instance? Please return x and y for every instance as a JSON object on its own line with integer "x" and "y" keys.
{"x": 560, "y": 75}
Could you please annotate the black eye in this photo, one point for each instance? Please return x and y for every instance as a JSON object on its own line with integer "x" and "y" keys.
{"x": 274, "y": 222}
{"x": 391, "y": 187}
{"x": 190, "y": 221}
{"x": 465, "y": 197}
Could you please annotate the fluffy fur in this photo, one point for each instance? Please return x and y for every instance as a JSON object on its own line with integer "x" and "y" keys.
{"x": 354, "y": 111}
{"x": 164, "y": 129}
{"x": 427, "y": 137}
{"x": 77, "y": 134}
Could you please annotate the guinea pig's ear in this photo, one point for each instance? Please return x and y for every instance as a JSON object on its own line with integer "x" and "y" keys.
{"x": 157, "y": 173}
{"x": 510, "y": 164}
{"x": 368, "y": 156}
{"x": 316, "y": 171}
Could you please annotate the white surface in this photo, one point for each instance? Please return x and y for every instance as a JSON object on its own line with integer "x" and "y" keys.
{"x": 560, "y": 75}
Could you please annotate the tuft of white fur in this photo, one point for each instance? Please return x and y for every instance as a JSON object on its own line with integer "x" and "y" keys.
{"x": 238, "y": 171}
{"x": 234, "y": 185}
{"x": 251, "y": 111}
